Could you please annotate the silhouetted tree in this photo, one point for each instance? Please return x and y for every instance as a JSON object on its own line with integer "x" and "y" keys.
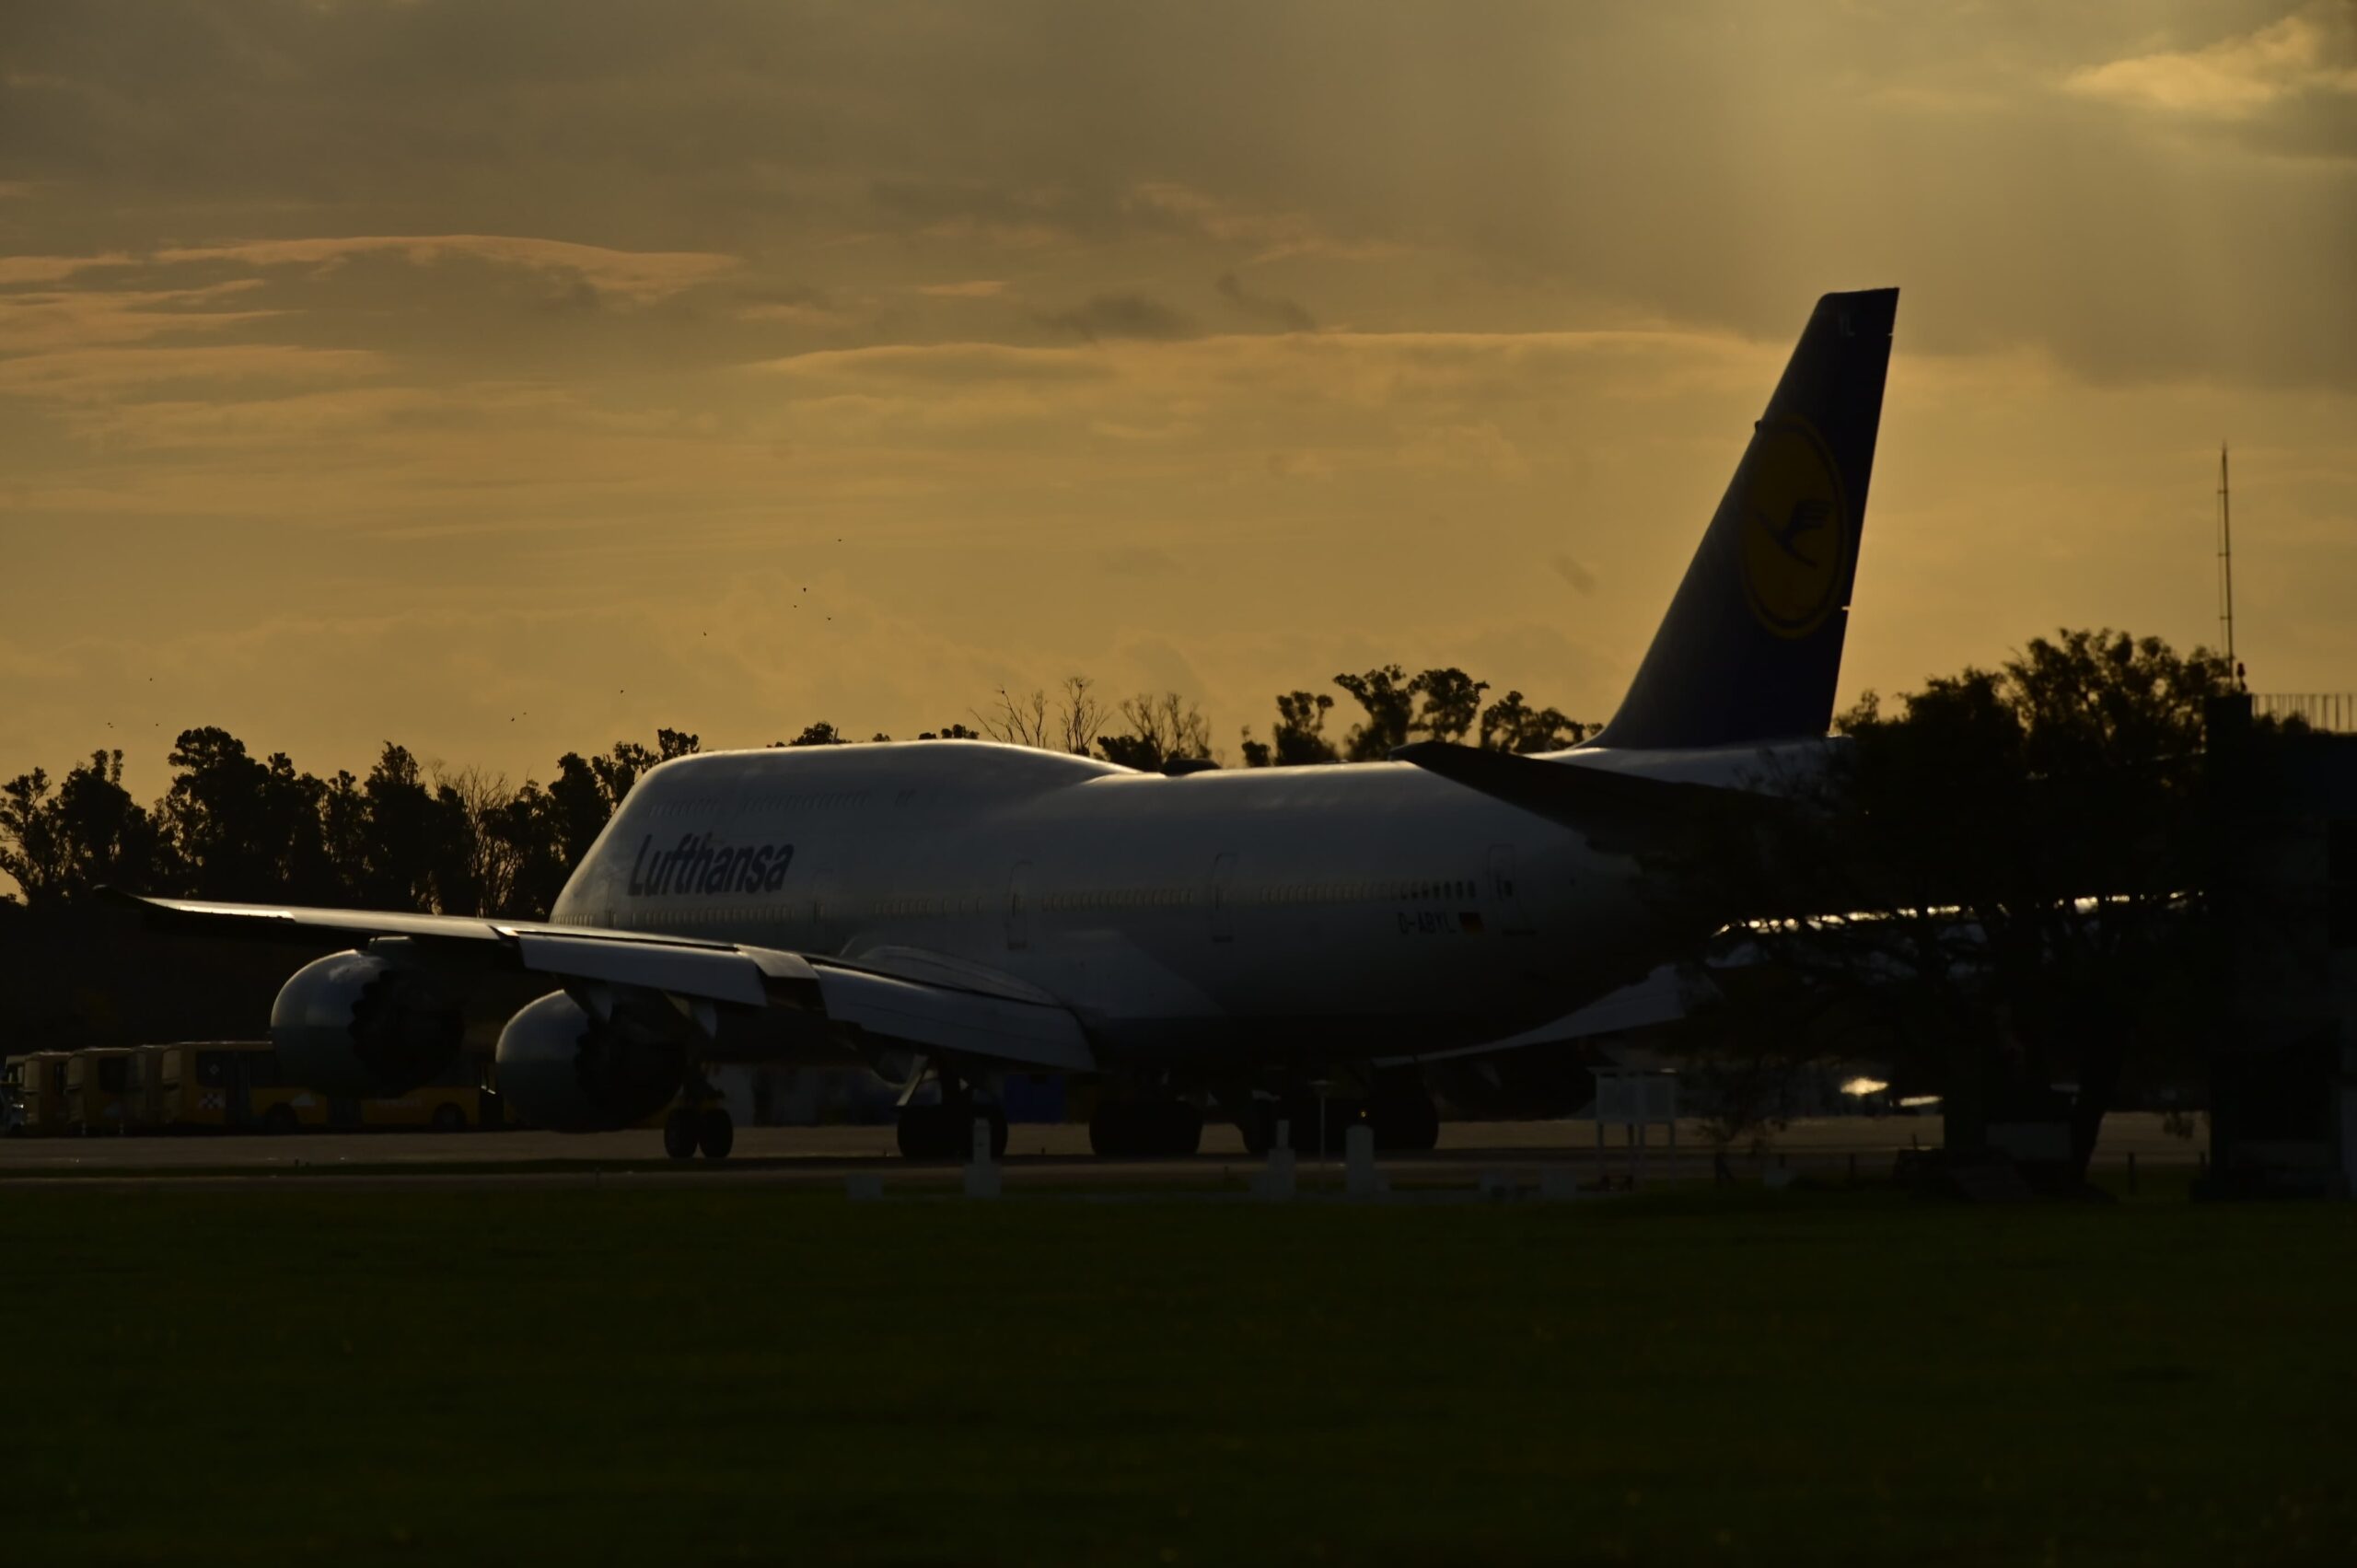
{"x": 32, "y": 840}
{"x": 2024, "y": 844}
{"x": 819, "y": 734}
{"x": 1512, "y": 725}
{"x": 1069, "y": 722}
{"x": 1159, "y": 731}
{"x": 227, "y": 818}
{"x": 404, "y": 834}
{"x": 1451, "y": 700}
{"x": 579, "y": 807}
{"x": 524, "y": 827}
{"x": 1299, "y": 737}
{"x": 88, "y": 833}
{"x": 1388, "y": 698}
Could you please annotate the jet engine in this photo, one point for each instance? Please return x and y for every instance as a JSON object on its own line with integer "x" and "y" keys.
{"x": 561, "y": 1068}
{"x": 360, "y": 1025}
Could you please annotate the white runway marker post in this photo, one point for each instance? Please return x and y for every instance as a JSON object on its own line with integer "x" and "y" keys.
{"x": 1360, "y": 1179}
{"x": 981, "y": 1171}
{"x": 1275, "y": 1184}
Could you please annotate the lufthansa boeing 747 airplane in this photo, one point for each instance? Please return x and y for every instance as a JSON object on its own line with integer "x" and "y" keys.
{"x": 952, "y": 912}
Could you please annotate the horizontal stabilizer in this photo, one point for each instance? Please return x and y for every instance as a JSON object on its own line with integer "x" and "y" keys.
{"x": 1588, "y": 799}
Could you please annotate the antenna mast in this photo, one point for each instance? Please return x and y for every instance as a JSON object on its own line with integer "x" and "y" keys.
{"x": 2226, "y": 568}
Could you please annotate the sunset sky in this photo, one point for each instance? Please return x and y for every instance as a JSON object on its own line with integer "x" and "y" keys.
{"x": 503, "y": 378}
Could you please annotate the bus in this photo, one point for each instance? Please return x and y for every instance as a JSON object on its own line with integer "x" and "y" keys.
{"x": 238, "y": 1086}
{"x": 95, "y": 1079}
{"x": 37, "y": 1080}
{"x": 142, "y": 1089}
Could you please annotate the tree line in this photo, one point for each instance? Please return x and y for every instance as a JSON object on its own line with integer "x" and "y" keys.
{"x": 1997, "y": 889}
{"x": 410, "y": 836}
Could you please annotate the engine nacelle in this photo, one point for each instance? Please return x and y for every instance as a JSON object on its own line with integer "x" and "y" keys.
{"x": 356, "y": 1023}
{"x": 561, "y": 1068}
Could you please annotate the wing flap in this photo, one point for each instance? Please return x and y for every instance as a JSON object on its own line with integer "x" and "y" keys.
{"x": 962, "y": 1021}
{"x": 737, "y": 975}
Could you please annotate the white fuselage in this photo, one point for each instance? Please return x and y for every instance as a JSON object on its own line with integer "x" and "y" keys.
{"x": 1307, "y": 912}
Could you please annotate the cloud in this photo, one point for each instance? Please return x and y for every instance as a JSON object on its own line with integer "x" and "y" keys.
{"x": 1273, "y": 235}
{"x": 2313, "y": 49}
{"x": 939, "y": 363}
{"x": 632, "y": 277}
{"x": 17, "y": 270}
{"x": 101, "y": 373}
{"x": 1121, "y": 316}
{"x": 50, "y": 320}
{"x": 1283, "y": 312}
{"x": 973, "y": 288}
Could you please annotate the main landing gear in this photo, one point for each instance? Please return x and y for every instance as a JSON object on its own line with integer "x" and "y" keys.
{"x": 1146, "y": 1129}
{"x": 707, "y": 1128}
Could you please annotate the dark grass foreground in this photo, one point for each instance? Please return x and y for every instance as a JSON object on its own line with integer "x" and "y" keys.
{"x": 720, "y": 1375}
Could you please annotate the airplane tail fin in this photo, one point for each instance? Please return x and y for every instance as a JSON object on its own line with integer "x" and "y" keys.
{"x": 1751, "y": 648}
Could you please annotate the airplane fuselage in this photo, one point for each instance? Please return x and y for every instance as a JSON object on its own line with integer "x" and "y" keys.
{"x": 1370, "y": 909}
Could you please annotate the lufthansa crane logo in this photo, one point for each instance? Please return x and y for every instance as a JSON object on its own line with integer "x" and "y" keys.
{"x": 1796, "y": 530}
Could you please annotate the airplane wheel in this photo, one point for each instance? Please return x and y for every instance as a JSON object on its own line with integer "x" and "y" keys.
{"x": 1112, "y": 1133}
{"x": 1406, "y": 1121}
{"x": 680, "y": 1134}
{"x": 1181, "y": 1125}
{"x": 715, "y": 1132}
{"x": 926, "y": 1133}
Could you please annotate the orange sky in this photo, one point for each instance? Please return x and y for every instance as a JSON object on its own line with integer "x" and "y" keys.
{"x": 508, "y": 379}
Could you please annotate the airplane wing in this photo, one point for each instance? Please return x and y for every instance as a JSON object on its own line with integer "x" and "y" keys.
{"x": 935, "y": 1004}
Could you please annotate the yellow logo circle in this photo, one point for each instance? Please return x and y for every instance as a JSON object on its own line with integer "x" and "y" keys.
{"x": 1796, "y": 530}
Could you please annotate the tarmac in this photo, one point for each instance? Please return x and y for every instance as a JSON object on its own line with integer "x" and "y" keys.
{"x": 1046, "y": 1156}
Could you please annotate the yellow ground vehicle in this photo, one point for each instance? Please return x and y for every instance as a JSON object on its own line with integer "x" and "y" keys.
{"x": 142, "y": 1089}
{"x": 95, "y": 1081}
{"x": 37, "y": 1080}
{"x": 237, "y": 1086}
{"x": 451, "y": 1102}
{"x": 232, "y": 1085}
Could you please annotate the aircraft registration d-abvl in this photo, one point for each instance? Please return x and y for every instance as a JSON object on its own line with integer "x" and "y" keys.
{"x": 951, "y": 912}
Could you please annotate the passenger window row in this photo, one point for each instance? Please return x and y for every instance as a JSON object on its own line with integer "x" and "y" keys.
{"x": 1120, "y": 898}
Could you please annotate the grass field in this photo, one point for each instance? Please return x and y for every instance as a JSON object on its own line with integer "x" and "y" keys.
{"x": 722, "y": 1374}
